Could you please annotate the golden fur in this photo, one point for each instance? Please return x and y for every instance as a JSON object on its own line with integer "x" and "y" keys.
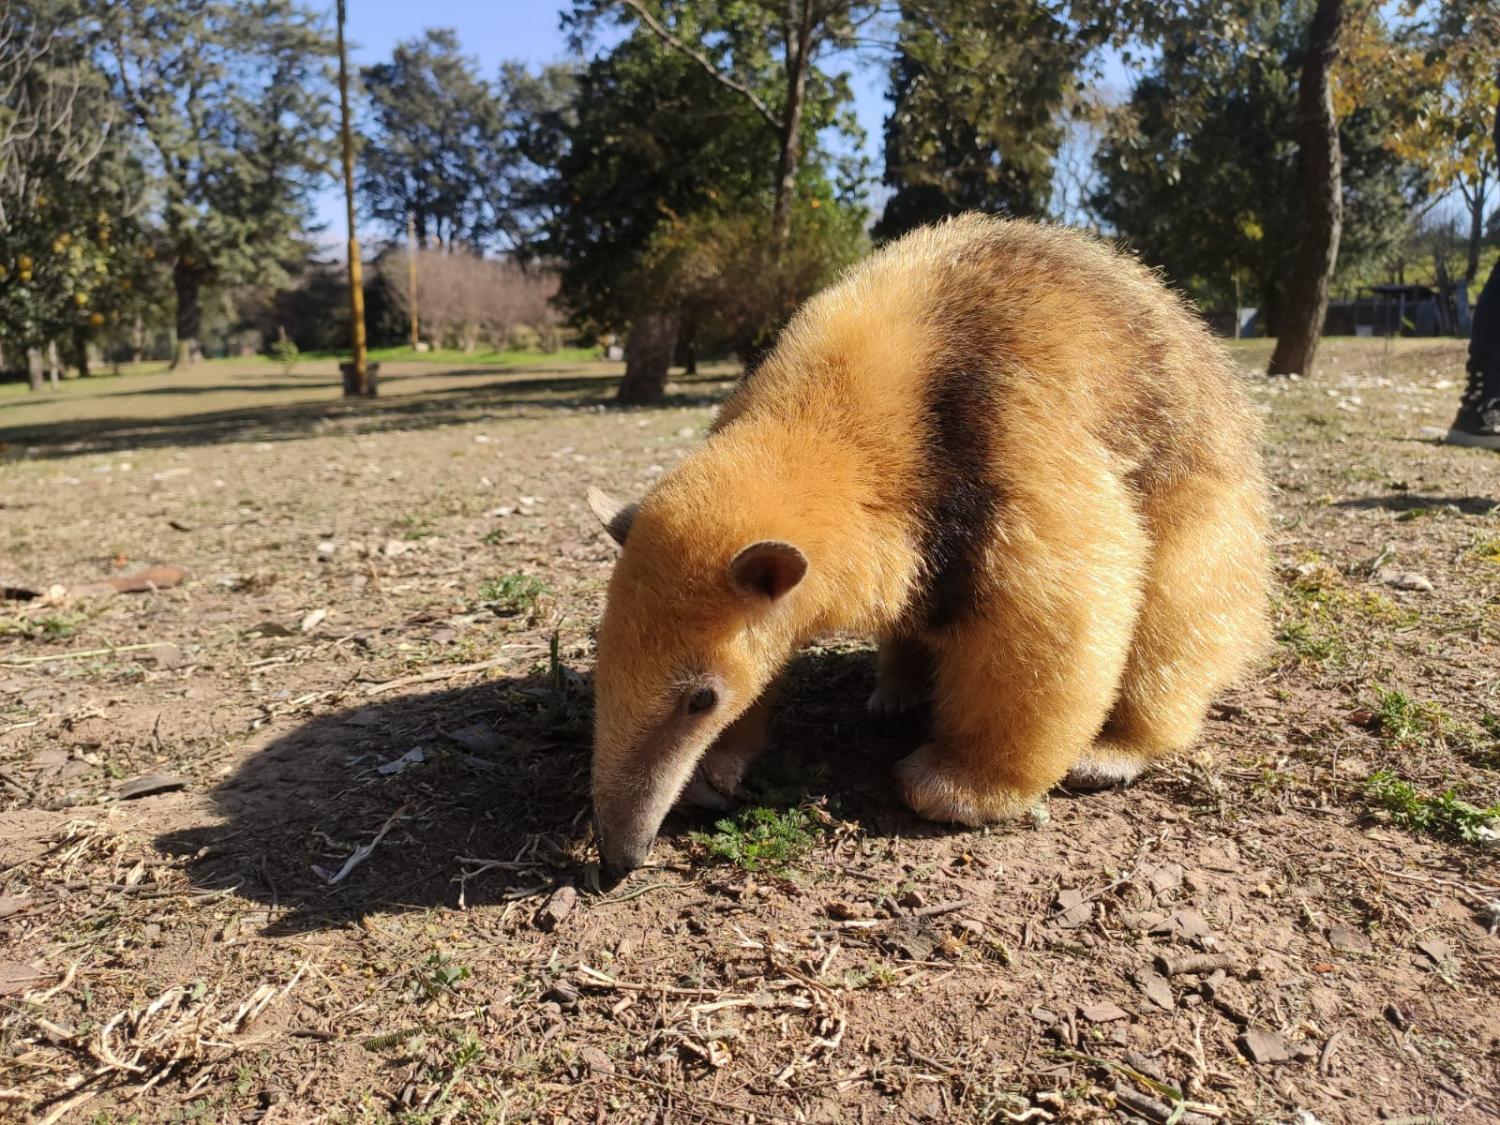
{"x": 1006, "y": 451}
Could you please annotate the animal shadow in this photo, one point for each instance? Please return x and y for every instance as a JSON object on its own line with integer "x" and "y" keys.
{"x": 479, "y": 795}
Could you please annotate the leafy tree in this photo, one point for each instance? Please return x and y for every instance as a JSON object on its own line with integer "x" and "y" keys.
{"x": 434, "y": 139}
{"x": 231, "y": 101}
{"x": 1434, "y": 63}
{"x": 1199, "y": 170}
{"x": 978, "y": 90}
{"x": 538, "y": 112}
{"x": 71, "y": 193}
{"x": 763, "y": 52}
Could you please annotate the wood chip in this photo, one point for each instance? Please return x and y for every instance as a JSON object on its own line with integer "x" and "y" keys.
{"x": 149, "y": 785}
{"x": 1264, "y": 1046}
{"x": 1104, "y": 1013}
{"x": 1073, "y": 909}
{"x": 557, "y": 908}
{"x": 1347, "y": 940}
{"x": 17, "y": 977}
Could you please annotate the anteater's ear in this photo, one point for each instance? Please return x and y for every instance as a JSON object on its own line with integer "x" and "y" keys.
{"x": 768, "y": 569}
{"x": 615, "y": 517}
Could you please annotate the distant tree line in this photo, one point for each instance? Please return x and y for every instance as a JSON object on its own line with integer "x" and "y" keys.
{"x": 690, "y": 180}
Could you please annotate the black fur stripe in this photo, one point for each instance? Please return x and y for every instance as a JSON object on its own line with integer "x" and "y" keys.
{"x": 962, "y": 499}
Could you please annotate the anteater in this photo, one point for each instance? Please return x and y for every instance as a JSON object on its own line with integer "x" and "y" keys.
{"x": 1006, "y": 451}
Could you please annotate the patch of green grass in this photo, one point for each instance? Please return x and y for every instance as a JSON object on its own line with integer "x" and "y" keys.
{"x": 1443, "y": 816}
{"x": 761, "y": 839}
{"x": 1487, "y": 549}
{"x": 1409, "y": 514}
{"x": 513, "y": 593}
{"x": 413, "y": 527}
{"x": 1306, "y": 644}
{"x": 1408, "y": 723}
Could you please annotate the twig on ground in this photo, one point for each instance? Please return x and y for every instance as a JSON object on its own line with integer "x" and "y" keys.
{"x": 21, "y": 661}
{"x": 363, "y": 852}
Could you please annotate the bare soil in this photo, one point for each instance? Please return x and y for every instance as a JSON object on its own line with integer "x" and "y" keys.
{"x": 357, "y": 667}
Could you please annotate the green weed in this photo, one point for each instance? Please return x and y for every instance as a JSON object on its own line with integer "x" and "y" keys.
{"x": 1306, "y": 644}
{"x": 1443, "y": 816}
{"x": 1407, "y": 723}
{"x": 438, "y": 976}
{"x": 760, "y": 838}
{"x": 513, "y": 593}
{"x": 1487, "y": 550}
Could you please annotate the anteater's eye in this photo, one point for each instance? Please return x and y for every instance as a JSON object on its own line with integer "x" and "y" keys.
{"x": 701, "y": 700}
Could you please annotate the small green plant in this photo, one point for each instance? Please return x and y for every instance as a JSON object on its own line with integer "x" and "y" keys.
{"x": 438, "y": 976}
{"x": 1443, "y": 816}
{"x": 413, "y": 528}
{"x": 284, "y": 351}
{"x": 1407, "y": 723}
{"x": 1488, "y": 550}
{"x": 1415, "y": 514}
{"x": 760, "y": 839}
{"x": 1307, "y": 645}
{"x": 513, "y": 593}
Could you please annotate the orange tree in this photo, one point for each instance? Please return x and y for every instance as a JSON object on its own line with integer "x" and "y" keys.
{"x": 1435, "y": 65}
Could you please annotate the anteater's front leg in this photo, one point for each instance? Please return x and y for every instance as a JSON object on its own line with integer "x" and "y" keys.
{"x": 715, "y": 783}
{"x": 1026, "y": 674}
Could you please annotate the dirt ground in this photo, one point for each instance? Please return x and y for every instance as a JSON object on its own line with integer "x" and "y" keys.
{"x": 302, "y": 835}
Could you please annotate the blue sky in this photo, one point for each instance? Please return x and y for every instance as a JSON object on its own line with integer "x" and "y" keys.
{"x": 516, "y": 29}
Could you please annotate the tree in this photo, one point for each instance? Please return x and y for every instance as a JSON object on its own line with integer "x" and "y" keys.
{"x": 1320, "y": 163}
{"x": 70, "y": 190}
{"x": 765, "y": 53}
{"x": 1433, "y": 63}
{"x": 232, "y": 100}
{"x": 978, "y": 90}
{"x": 652, "y": 138}
{"x": 537, "y": 111}
{"x": 1199, "y": 168}
{"x": 435, "y": 137}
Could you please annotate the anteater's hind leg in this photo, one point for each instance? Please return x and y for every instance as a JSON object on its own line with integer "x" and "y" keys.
{"x": 1027, "y": 673}
{"x": 1202, "y": 621}
{"x": 903, "y": 677}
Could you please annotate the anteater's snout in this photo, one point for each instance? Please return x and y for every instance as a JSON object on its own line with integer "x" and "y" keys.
{"x": 619, "y": 852}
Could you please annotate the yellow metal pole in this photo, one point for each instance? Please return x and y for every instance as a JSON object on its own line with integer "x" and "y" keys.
{"x": 411, "y": 272}
{"x": 359, "y": 384}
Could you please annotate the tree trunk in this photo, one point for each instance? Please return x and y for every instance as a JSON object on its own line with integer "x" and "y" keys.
{"x": 1306, "y": 303}
{"x": 36, "y": 372}
{"x": 648, "y": 353}
{"x": 1476, "y": 223}
{"x": 81, "y": 352}
{"x": 188, "y": 283}
{"x": 52, "y": 363}
{"x": 798, "y": 25}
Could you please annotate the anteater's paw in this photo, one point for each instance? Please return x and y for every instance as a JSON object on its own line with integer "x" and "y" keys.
{"x": 1102, "y": 768}
{"x": 933, "y": 788}
{"x": 701, "y": 794}
{"x": 887, "y": 702}
{"x": 715, "y": 784}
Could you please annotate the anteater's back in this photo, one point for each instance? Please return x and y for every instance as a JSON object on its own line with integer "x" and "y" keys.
{"x": 1041, "y": 329}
